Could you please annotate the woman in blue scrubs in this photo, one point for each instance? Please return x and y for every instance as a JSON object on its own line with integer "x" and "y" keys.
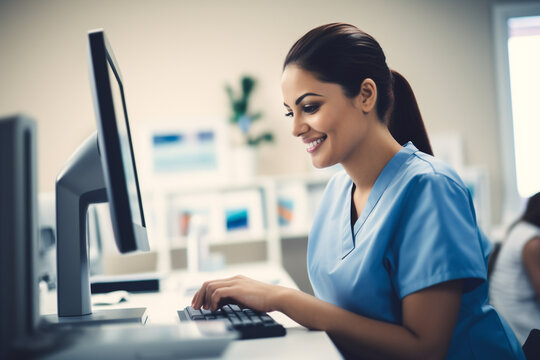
{"x": 395, "y": 256}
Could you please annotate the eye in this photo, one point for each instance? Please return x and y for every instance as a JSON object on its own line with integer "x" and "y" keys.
{"x": 289, "y": 114}
{"x": 311, "y": 108}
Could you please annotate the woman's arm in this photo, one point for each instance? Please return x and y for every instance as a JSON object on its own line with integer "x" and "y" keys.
{"x": 429, "y": 317}
{"x": 531, "y": 260}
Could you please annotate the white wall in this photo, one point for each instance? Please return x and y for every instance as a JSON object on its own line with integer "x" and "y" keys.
{"x": 176, "y": 56}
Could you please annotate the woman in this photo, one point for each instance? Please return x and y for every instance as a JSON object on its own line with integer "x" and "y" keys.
{"x": 515, "y": 281}
{"x": 395, "y": 257}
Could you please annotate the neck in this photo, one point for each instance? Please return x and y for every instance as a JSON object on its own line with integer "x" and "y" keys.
{"x": 367, "y": 161}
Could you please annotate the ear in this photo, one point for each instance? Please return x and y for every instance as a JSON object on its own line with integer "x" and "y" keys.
{"x": 367, "y": 97}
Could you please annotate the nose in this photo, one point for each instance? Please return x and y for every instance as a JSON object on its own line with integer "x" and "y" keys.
{"x": 299, "y": 126}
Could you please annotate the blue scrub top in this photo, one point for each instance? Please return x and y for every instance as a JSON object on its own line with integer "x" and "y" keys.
{"x": 417, "y": 229}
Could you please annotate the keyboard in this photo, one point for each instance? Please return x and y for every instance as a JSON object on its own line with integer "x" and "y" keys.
{"x": 248, "y": 323}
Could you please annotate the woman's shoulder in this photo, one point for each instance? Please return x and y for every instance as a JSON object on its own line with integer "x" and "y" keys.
{"x": 527, "y": 226}
{"x": 521, "y": 233}
{"x": 426, "y": 169}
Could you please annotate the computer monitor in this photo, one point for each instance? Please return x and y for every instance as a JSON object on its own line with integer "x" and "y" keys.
{"x": 19, "y": 297}
{"x": 102, "y": 169}
{"x": 117, "y": 155}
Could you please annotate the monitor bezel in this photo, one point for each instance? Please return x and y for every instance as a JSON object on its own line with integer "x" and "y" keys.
{"x": 129, "y": 235}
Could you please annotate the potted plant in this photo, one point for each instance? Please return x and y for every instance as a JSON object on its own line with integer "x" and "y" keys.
{"x": 242, "y": 119}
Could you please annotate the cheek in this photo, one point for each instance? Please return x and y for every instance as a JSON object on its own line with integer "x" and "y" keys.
{"x": 349, "y": 132}
{"x": 326, "y": 122}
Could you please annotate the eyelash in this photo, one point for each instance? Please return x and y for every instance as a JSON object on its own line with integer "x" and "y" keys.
{"x": 310, "y": 109}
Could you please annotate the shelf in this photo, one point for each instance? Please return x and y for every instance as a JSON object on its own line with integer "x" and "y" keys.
{"x": 290, "y": 198}
{"x": 227, "y": 186}
{"x": 217, "y": 186}
{"x": 180, "y": 242}
{"x": 294, "y": 233}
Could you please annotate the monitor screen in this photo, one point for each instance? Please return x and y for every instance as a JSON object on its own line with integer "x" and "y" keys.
{"x": 125, "y": 146}
{"x": 115, "y": 144}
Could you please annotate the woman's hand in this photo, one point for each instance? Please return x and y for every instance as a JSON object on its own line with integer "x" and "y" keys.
{"x": 239, "y": 290}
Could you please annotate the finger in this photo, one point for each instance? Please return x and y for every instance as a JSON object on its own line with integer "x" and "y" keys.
{"x": 212, "y": 287}
{"x": 219, "y": 295}
{"x": 199, "y": 296}
{"x": 195, "y": 303}
{"x": 195, "y": 298}
{"x": 206, "y": 297}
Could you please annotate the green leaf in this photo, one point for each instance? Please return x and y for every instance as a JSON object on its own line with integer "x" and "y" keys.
{"x": 230, "y": 93}
{"x": 248, "y": 83}
{"x": 256, "y": 116}
{"x": 255, "y": 141}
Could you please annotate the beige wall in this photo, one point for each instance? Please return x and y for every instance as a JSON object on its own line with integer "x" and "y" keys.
{"x": 176, "y": 55}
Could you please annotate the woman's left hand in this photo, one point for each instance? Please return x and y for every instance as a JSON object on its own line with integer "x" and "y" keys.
{"x": 239, "y": 290}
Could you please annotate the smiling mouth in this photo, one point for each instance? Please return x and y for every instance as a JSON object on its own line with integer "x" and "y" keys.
{"x": 315, "y": 144}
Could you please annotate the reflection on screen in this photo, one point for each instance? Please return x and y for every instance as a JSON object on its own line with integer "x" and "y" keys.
{"x": 121, "y": 124}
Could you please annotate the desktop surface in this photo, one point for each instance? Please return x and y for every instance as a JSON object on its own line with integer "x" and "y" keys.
{"x": 177, "y": 291}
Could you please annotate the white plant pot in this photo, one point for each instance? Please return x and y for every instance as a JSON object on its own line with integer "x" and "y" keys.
{"x": 245, "y": 163}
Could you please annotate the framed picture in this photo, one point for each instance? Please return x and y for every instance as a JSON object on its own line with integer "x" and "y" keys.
{"x": 185, "y": 151}
{"x": 293, "y": 206}
{"x": 183, "y": 208}
{"x": 243, "y": 214}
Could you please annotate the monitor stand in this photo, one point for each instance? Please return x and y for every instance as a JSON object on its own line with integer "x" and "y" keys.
{"x": 79, "y": 184}
{"x": 98, "y": 317}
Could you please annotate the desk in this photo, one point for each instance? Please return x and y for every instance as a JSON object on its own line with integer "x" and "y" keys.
{"x": 176, "y": 293}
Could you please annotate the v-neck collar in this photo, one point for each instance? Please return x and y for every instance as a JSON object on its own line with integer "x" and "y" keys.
{"x": 349, "y": 232}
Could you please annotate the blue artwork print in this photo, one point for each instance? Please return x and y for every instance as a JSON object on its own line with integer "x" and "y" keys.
{"x": 236, "y": 219}
{"x": 184, "y": 152}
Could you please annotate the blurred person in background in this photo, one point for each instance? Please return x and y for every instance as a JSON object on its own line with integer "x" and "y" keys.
{"x": 515, "y": 280}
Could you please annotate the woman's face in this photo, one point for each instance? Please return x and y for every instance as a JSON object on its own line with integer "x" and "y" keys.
{"x": 330, "y": 124}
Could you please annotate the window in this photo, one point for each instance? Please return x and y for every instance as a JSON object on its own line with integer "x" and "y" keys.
{"x": 524, "y": 65}
{"x": 517, "y": 58}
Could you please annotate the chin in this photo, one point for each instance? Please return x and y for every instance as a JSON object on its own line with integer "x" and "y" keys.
{"x": 321, "y": 164}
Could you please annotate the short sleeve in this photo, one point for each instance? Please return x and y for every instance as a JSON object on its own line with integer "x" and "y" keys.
{"x": 437, "y": 238}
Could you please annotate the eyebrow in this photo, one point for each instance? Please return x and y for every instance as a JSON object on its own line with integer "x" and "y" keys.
{"x": 302, "y": 98}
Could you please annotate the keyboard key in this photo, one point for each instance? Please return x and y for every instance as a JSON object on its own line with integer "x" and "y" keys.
{"x": 267, "y": 319}
{"x": 235, "y": 307}
{"x": 228, "y": 309}
{"x": 235, "y": 321}
{"x": 191, "y": 311}
{"x": 206, "y": 312}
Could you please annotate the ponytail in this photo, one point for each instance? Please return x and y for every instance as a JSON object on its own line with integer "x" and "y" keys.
{"x": 405, "y": 123}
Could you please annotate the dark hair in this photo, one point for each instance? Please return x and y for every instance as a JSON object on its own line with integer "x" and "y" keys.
{"x": 345, "y": 55}
{"x": 532, "y": 211}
